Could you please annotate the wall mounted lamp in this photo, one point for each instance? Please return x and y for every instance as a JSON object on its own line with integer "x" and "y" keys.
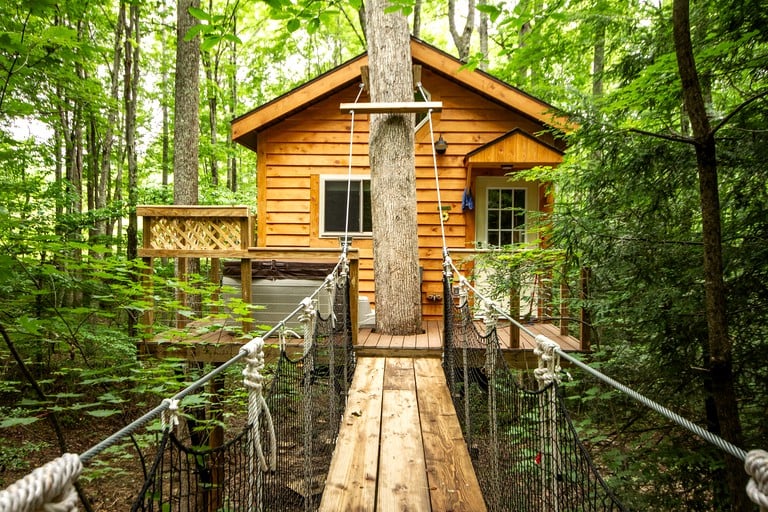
{"x": 441, "y": 145}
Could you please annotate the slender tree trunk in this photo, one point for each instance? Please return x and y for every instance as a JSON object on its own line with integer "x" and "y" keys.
{"x": 720, "y": 354}
{"x": 130, "y": 93}
{"x": 393, "y": 177}
{"x": 417, "y": 18}
{"x": 462, "y": 40}
{"x": 482, "y": 34}
{"x": 231, "y": 155}
{"x": 598, "y": 60}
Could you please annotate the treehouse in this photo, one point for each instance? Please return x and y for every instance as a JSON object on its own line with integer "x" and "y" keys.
{"x": 485, "y": 132}
{"x": 482, "y": 133}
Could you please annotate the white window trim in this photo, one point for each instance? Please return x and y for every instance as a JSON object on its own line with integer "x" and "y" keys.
{"x": 321, "y": 206}
{"x": 482, "y": 184}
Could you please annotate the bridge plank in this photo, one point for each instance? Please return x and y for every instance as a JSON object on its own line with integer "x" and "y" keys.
{"x": 452, "y": 480}
{"x": 351, "y": 482}
{"x": 403, "y": 482}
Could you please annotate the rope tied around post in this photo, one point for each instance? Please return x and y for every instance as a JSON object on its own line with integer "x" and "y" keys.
{"x": 169, "y": 418}
{"x": 257, "y": 405}
{"x": 308, "y": 318}
{"x": 49, "y": 488}
{"x": 548, "y": 370}
{"x": 756, "y": 466}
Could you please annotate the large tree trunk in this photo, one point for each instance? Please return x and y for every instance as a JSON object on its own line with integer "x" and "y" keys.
{"x": 186, "y": 133}
{"x": 393, "y": 176}
{"x": 720, "y": 356}
{"x": 186, "y": 122}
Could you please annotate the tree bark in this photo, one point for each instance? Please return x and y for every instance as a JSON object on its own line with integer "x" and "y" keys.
{"x": 187, "y": 94}
{"x": 720, "y": 356}
{"x": 186, "y": 136}
{"x": 393, "y": 176}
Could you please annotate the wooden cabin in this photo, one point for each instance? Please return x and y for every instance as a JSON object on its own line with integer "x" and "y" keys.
{"x": 491, "y": 129}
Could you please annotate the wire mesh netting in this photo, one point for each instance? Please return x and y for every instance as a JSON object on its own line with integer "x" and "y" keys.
{"x": 306, "y": 398}
{"x": 525, "y": 451}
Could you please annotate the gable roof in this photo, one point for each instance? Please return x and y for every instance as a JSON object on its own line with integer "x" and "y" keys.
{"x": 246, "y": 127}
{"x": 516, "y": 146}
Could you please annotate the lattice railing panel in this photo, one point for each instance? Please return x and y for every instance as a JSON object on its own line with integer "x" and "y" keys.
{"x": 208, "y": 233}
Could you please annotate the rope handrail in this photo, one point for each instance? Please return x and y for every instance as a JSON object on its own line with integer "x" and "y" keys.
{"x": 755, "y": 461}
{"x": 86, "y": 456}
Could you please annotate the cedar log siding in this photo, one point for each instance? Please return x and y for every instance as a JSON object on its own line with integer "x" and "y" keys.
{"x": 296, "y": 151}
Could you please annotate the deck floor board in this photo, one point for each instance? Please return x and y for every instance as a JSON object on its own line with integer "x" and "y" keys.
{"x": 408, "y": 430}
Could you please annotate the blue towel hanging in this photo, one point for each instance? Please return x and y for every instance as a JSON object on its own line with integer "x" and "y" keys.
{"x": 467, "y": 203}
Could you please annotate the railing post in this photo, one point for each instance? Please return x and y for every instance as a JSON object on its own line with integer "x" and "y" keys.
{"x": 246, "y": 293}
{"x": 514, "y": 312}
{"x": 585, "y": 321}
{"x": 354, "y": 292}
{"x": 564, "y": 296}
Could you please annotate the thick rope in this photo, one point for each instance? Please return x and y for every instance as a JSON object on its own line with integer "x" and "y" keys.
{"x": 257, "y": 405}
{"x": 437, "y": 179}
{"x": 548, "y": 353}
{"x": 345, "y": 245}
{"x": 49, "y": 488}
{"x": 756, "y": 466}
{"x": 257, "y": 462}
{"x": 169, "y": 418}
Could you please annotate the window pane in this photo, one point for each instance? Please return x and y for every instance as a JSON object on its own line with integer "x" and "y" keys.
{"x": 335, "y": 210}
{"x": 506, "y": 199}
{"x": 520, "y": 199}
{"x": 367, "y": 217}
{"x": 506, "y": 219}
{"x": 493, "y": 198}
{"x": 505, "y": 238}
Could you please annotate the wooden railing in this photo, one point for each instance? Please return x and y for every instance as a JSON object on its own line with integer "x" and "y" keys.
{"x": 540, "y": 299}
{"x": 216, "y": 232}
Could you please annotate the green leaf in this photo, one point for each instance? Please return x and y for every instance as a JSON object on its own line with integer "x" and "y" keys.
{"x": 209, "y": 43}
{"x": 199, "y": 14}
{"x": 17, "y": 422}
{"x": 103, "y": 413}
{"x": 293, "y": 25}
{"x": 492, "y": 11}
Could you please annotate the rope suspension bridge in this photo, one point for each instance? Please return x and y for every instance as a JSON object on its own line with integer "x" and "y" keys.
{"x": 328, "y": 430}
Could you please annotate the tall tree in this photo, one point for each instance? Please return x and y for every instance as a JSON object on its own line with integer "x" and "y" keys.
{"x": 393, "y": 174}
{"x": 720, "y": 363}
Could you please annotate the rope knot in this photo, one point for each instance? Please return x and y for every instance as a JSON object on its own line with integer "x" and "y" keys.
{"x": 756, "y": 466}
{"x": 252, "y": 377}
{"x": 169, "y": 418}
{"x": 549, "y": 361}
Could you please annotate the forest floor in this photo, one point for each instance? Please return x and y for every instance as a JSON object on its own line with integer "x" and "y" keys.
{"x": 110, "y": 485}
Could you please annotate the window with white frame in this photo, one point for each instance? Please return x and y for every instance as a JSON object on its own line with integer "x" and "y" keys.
{"x": 501, "y": 212}
{"x": 333, "y": 205}
{"x": 506, "y": 216}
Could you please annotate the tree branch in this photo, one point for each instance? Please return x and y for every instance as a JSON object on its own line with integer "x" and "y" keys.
{"x": 738, "y": 109}
{"x": 669, "y": 137}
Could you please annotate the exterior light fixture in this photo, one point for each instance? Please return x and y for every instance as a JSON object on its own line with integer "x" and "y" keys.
{"x": 441, "y": 145}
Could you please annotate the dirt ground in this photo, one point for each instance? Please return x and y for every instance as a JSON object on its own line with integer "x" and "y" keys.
{"x": 114, "y": 491}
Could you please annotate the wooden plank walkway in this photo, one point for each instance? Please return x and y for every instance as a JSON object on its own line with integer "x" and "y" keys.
{"x": 400, "y": 446}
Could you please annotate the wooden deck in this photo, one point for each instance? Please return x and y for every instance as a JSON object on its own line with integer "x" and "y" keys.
{"x": 400, "y": 446}
{"x": 205, "y": 342}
